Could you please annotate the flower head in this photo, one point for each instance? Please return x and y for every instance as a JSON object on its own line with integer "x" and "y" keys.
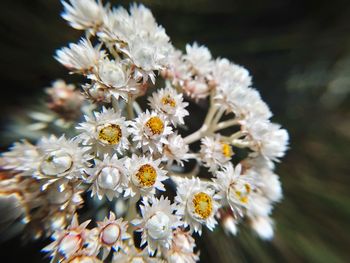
{"x": 197, "y": 204}
{"x": 145, "y": 176}
{"x": 106, "y": 132}
{"x": 167, "y": 101}
{"x": 150, "y": 131}
{"x": 157, "y": 223}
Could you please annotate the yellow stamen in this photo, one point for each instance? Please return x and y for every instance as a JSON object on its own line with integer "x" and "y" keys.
{"x": 156, "y": 125}
{"x": 110, "y": 134}
{"x": 167, "y": 100}
{"x": 243, "y": 196}
{"x": 226, "y": 150}
{"x": 203, "y": 205}
{"x": 146, "y": 175}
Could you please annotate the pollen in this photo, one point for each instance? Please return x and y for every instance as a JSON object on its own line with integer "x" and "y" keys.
{"x": 203, "y": 205}
{"x": 226, "y": 150}
{"x": 110, "y": 134}
{"x": 156, "y": 125}
{"x": 146, "y": 175}
{"x": 243, "y": 195}
{"x": 167, "y": 100}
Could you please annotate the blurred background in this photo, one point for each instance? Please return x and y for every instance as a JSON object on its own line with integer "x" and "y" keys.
{"x": 298, "y": 53}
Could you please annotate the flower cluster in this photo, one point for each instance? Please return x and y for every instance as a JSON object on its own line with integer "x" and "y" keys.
{"x": 128, "y": 159}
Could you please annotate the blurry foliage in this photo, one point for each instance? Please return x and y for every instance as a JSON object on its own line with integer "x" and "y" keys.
{"x": 299, "y": 55}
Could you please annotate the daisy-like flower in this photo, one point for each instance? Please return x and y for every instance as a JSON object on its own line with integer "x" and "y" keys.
{"x": 182, "y": 248}
{"x": 145, "y": 176}
{"x": 266, "y": 138}
{"x": 215, "y": 152}
{"x": 81, "y": 57}
{"x": 157, "y": 223}
{"x": 197, "y": 204}
{"x": 106, "y": 132}
{"x": 59, "y": 158}
{"x": 199, "y": 58}
{"x": 225, "y": 71}
{"x": 108, "y": 177}
{"x": 149, "y": 131}
{"x": 170, "y": 103}
{"x": 176, "y": 150}
{"x": 110, "y": 233}
{"x": 235, "y": 188}
{"x": 114, "y": 77}
{"x": 69, "y": 241}
{"x": 84, "y": 14}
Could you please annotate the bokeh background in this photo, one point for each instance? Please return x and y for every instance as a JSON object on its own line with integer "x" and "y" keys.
{"x": 299, "y": 55}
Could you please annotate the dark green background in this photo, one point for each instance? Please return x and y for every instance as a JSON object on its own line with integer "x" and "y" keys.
{"x": 299, "y": 55}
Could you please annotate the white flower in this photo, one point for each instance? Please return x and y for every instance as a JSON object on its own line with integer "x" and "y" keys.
{"x": 230, "y": 225}
{"x": 59, "y": 158}
{"x": 115, "y": 78}
{"x": 170, "y": 103}
{"x": 157, "y": 223}
{"x": 215, "y": 152}
{"x": 105, "y": 132}
{"x": 197, "y": 204}
{"x": 108, "y": 177}
{"x": 177, "y": 71}
{"x": 225, "y": 72}
{"x": 263, "y": 226}
{"x": 235, "y": 188}
{"x": 81, "y": 57}
{"x": 197, "y": 88}
{"x": 182, "y": 248}
{"x": 145, "y": 176}
{"x": 258, "y": 205}
{"x": 110, "y": 233}
{"x": 266, "y": 138}
{"x": 149, "y": 131}
{"x": 243, "y": 102}
{"x": 21, "y": 157}
{"x": 176, "y": 150}
{"x": 199, "y": 58}
{"x": 84, "y": 14}
{"x": 68, "y": 242}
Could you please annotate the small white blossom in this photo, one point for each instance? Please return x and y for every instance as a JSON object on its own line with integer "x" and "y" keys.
{"x": 145, "y": 176}
{"x": 197, "y": 204}
{"x": 106, "y": 132}
{"x": 266, "y": 138}
{"x": 235, "y": 189}
{"x": 157, "y": 223}
{"x": 109, "y": 234}
{"x": 108, "y": 177}
{"x": 150, "y": 131}
{"x": 176, "y": 150}
{"x": 81, "y": 57}
{"x": 199, "y": 58}
{"x": 263, "y": 226}
{"x": 215, "y": 152}
{"x": 182, "y": 248}
{"x": 84, "y": 14}
{"x": 167, "y": 101}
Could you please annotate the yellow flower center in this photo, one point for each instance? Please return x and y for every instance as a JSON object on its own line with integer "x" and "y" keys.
{"x": 243, "y": 195}
{"x": 156, "y": 125}
{"x": 167, "y": 100}
{"x": 146, "y": 175}
{"x": 203, "y": 204}
{"x": 226, "y": 150}
{"x": 110, "y": 134}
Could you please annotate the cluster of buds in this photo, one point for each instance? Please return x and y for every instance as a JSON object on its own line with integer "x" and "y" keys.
{"x": 122, "y": 154}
